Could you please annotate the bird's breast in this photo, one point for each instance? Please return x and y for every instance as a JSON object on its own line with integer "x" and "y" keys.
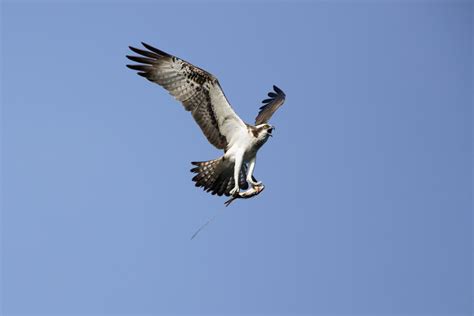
{"x": 247, "y": 145}
{"x": 254, "y": 146}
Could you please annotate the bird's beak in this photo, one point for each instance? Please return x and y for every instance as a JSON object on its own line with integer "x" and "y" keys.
{"x": 270, "y": 130}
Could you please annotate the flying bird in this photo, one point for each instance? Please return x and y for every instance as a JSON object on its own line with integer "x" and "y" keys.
{"x": 201, "y": 94}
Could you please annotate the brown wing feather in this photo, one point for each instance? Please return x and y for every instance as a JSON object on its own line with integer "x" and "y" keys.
{"x": 189, "y": 84}
{"x": 270, "y": 105}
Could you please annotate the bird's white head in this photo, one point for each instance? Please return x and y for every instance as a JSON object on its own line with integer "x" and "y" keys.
{"x": 264, "y": 130}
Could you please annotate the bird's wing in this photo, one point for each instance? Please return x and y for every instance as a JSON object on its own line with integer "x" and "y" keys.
{"x": 198, "y": 91}
{"x": 270, "y": 105}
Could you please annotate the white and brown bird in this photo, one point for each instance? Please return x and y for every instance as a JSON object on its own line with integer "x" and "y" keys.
{"x": 201, "y": 94}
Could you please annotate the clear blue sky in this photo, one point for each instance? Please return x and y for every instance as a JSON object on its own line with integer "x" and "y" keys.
{"x": 368, "y": 201}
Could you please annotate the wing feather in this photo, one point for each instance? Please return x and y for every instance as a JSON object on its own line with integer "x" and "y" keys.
{"x": 198, "y": 91}
{"x": 270, "y": 105}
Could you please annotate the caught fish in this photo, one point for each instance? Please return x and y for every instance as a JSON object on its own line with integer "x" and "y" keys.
{"x": 247, "y": 194}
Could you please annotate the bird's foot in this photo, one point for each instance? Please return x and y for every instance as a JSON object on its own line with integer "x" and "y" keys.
{"x": 254, "y": 183}
{"x": 235, "y": 191}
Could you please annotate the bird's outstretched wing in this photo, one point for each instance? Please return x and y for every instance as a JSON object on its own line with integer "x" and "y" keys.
{"x": 270, "y": 105}
{"x": 198, "y": 91}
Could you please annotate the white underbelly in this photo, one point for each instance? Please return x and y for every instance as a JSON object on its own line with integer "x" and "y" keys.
{"x": 246, "y": 148}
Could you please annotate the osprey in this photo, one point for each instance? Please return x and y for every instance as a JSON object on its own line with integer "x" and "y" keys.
{"x": 201, "y": 94}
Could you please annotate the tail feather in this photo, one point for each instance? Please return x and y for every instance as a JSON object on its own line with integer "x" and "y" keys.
{"x": 217, "y": 176}
{"x": 223, "y": 187}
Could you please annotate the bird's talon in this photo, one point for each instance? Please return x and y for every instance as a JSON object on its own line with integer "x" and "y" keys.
{"x": 254, "y": 184}
{"x": 235, "y": 191}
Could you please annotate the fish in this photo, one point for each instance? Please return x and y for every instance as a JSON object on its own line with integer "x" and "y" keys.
{"x": 246, "y": 194}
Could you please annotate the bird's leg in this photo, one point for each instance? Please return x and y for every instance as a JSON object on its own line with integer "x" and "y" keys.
{"x": 250, "y": 173}
{"x": 237, "y": 165}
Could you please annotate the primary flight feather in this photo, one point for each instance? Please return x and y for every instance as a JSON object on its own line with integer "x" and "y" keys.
{"x": 201, "y": 94}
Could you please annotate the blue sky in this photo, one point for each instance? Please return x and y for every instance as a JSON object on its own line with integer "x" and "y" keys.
{"x": 368, "y": 202}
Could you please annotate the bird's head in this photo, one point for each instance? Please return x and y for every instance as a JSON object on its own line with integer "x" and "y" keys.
{"x": 264, "y": 130}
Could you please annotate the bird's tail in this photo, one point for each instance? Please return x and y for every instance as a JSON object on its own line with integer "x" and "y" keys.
{"x": 217, "y": 176}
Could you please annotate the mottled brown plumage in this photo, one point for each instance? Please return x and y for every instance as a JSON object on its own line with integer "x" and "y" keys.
{"x": 189, "y": 84}
{"x": 216, "y": 176}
